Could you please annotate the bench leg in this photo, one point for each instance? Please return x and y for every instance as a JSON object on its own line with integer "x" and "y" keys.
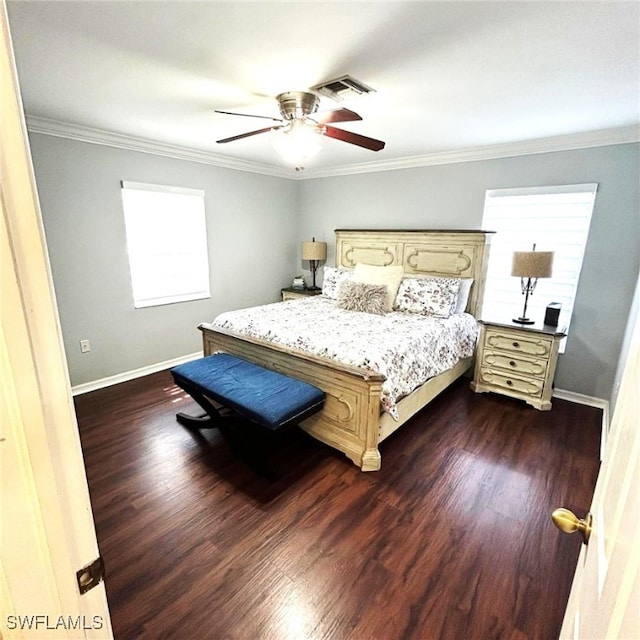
{"x": 203, "y": 421}
{"x": 212, "y": 418}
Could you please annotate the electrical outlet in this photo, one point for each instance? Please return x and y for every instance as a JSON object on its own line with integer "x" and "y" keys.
{"x": 85, "y": 346}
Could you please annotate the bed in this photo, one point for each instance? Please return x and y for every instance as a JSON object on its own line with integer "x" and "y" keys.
{"x": 358, "y": 414}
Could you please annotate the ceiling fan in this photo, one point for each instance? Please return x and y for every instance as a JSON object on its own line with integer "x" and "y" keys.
{"x": 299, "y": 111}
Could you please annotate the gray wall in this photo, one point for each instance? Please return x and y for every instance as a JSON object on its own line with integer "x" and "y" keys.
{"x": 251, "y": 228}
{"x": 256, "y": 223}
{"x": 452, "y": 196}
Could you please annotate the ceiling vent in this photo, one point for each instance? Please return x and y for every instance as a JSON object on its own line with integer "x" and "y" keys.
{"x": 343, "y": 88}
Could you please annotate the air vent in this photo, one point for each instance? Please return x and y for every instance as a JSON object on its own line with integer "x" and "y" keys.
{"x": 343, "y": 88}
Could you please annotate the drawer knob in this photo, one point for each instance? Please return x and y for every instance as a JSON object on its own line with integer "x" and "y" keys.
{"x": 509, "y": 383}
{"x": 516, "y": 344}
{"x": 512, "y": 363}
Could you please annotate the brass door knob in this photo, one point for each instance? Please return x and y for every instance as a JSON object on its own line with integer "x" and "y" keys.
{"x": 568, "y": 522}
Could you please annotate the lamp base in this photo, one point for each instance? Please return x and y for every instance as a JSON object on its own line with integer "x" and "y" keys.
{"x": 523, "y": 321}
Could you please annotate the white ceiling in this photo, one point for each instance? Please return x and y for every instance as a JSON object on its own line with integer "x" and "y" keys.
{"x": 449, "y": 77}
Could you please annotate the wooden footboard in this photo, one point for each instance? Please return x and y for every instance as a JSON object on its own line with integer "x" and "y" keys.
{"x": 350, "y": 419}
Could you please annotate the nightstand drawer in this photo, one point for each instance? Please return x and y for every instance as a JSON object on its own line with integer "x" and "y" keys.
{"x": 531, "y": 387}
{"x": 292, "y": 295}
{"x": 289, "y": 293}
{"x": 515, "y": 363}
{"x": 531, "y": 345}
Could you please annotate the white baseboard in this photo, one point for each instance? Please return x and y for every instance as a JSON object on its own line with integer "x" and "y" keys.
{"x": 131, "y": 375}
{"x": 580, "y": 398}
{"x": 590, "y": 401}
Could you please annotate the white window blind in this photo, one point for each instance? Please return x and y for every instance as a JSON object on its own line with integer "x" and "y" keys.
{"x": 554, "y": 219}
{"x": 166, "y": 242}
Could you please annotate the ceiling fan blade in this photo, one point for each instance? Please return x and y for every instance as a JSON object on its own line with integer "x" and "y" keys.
{"x": 354, "y": 138}
{"x": 247, "y": 115}
{"x": 336, "y": 115}
{"x": 246, "y": 135}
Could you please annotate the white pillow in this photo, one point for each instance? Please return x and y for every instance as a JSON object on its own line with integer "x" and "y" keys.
{"x": 388, "y": 276}
{"x": 463, "y": 296}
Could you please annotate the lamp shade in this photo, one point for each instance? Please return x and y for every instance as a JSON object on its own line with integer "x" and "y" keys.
{"x": 532, "y": 264}
{"x": 314, "y": 250}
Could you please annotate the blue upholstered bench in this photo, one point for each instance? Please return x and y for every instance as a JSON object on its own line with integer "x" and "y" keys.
{"x": 266, "y": 398}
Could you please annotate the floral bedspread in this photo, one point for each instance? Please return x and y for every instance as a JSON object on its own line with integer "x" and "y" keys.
{"x": 406, "y": 348}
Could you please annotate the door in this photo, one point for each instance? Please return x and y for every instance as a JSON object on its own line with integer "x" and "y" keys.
{"x": 47, "y": 532}
{"x": 605, "y": 596}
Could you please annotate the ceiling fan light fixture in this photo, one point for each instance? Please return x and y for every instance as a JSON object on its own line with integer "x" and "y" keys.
{"x": 296, "y": 105}
{"x": 298, "y": 141}
{"x": 302, "y": 128}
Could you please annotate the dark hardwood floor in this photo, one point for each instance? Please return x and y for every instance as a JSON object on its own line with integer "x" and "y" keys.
{"x": 451, "y": 539}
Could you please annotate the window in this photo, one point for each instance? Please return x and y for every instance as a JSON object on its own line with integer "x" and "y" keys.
{"x": 167, "y": 243}
{"x": 554, "y": 219}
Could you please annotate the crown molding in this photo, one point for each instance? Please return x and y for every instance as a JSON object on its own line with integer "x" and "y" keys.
{"x": 569, "y": 142}
{"x": 61, "y": 129}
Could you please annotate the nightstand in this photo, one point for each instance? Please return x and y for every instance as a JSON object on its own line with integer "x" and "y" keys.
{"x": 517, "y": 361}
{"x": 289, "y": 293}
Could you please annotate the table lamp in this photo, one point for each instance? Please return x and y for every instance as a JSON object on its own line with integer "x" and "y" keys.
{"x": 529, "y": 266}
{"x": 314, "y": 252}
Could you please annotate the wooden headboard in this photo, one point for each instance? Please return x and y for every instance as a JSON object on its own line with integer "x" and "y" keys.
{"x": 457, "y": 254}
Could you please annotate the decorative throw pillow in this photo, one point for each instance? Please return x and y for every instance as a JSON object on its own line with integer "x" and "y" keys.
{"x": 428, "y": 296}
{"x": 359, "y": 296}
{"x": 332, "y": 278}
{"x": 390, "y": 277}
